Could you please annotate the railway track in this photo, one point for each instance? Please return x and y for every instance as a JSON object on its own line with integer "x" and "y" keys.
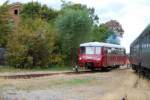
{"x": 26, "y": 76}
{"x": 34, "y": 75}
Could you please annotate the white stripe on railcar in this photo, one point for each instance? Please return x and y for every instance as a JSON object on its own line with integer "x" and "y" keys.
{"x": 101, "y": 44}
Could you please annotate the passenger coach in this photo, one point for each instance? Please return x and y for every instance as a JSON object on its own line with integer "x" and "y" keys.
{"x": 94, "y": 55}
{"x": 140, "y": 53}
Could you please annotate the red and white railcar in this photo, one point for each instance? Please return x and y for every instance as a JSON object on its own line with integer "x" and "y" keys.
{"x": 94, "y": 55}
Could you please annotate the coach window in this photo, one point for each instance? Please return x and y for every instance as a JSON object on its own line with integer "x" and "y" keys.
{"x": 148, "y": 40}
{"x": 149, "y": 36}
{"x": 142, "y": 42}
{"x": 145, "y": 41}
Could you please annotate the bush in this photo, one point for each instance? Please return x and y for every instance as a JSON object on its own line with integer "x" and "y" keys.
{"x": 6, "y": 24}
{"x": 31, "y": 45}
{"x": 57, "y": 59}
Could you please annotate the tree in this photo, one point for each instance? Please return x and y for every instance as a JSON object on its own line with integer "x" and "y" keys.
{"x": 117, "y": 31}
{"x": 36, "y": 10}
{"x": 115, "y": 26}
{"x": 6, "y": 24}
{"x": 113, "y": 38}
{"x": 73, "y": 26}
{"x": 31, "y": 44}
{"x": 99, "y": 33}
{"x": 78, "y": 6}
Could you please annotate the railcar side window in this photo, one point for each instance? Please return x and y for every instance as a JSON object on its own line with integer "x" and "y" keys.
{"x": 123, "y": 51}
{"x": 113, "y": 51}
{"x": 109, "y": 50}
{"x": 116, "y": 51}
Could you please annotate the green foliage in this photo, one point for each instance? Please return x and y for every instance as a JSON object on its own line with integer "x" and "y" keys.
{"x": 48, "y": 37}
{"x": 57, "y": 59}
{"x": 91, "y": 11}
{"x": 31, "y": 45}
{"x": 99, "y": 33}
{"x": 73, "y": 26}
{"x": 6, "y": 24}
{"x": 36, "y": 10}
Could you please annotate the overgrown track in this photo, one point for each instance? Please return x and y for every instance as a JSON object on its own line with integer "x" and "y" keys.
{"x": 27, "y": 76}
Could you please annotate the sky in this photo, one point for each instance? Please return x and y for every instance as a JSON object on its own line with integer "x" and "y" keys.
{"x": 133, "y": 15}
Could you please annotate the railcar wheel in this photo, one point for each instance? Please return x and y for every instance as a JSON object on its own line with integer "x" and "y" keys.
{"x": 92, "y": 69}
{"x": 105, "y": 69}
{"x": 117, "y": 66}
{"x": 90, "y": 66}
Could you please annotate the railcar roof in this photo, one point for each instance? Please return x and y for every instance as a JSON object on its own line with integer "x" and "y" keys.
{"x": 101, "y": 44}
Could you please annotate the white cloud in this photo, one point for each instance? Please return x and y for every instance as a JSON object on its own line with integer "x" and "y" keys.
{"x": 134, "y": 21}
{"x": 132, "y": 14}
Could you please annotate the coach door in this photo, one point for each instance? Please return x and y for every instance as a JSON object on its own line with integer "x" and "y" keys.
{"x": 139, "y": 54}
{"x": 148, "y": 49}
{"x": 146, "y": 53}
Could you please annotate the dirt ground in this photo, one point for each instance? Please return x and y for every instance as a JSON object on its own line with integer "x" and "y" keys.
{"x": 113, "y": 85}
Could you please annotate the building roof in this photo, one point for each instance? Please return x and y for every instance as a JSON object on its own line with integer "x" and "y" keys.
{"x": 15, "y": 4}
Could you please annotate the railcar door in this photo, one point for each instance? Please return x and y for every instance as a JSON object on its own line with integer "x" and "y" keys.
{"x": 105, "y": 53}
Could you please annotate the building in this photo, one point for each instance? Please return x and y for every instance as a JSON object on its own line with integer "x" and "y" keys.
{"x": 14, "y": 11}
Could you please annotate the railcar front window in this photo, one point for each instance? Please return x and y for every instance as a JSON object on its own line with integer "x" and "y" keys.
{"x": 90, "y": 50}
{"x": 82, "y": 50}
{"x": 98, "y": 50}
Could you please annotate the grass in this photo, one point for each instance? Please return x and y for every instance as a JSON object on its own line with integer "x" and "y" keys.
{"x": 10, "y": 69}
{"x": 52, "y": 68}
{"x": 128, "y": 90}
{"x": 77, "y": 81}
{"x": 60, "y": 68}
{"x": 43, "y": 83}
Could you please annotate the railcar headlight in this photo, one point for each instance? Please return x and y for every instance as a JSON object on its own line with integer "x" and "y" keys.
{"x": 80, "y": 58}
